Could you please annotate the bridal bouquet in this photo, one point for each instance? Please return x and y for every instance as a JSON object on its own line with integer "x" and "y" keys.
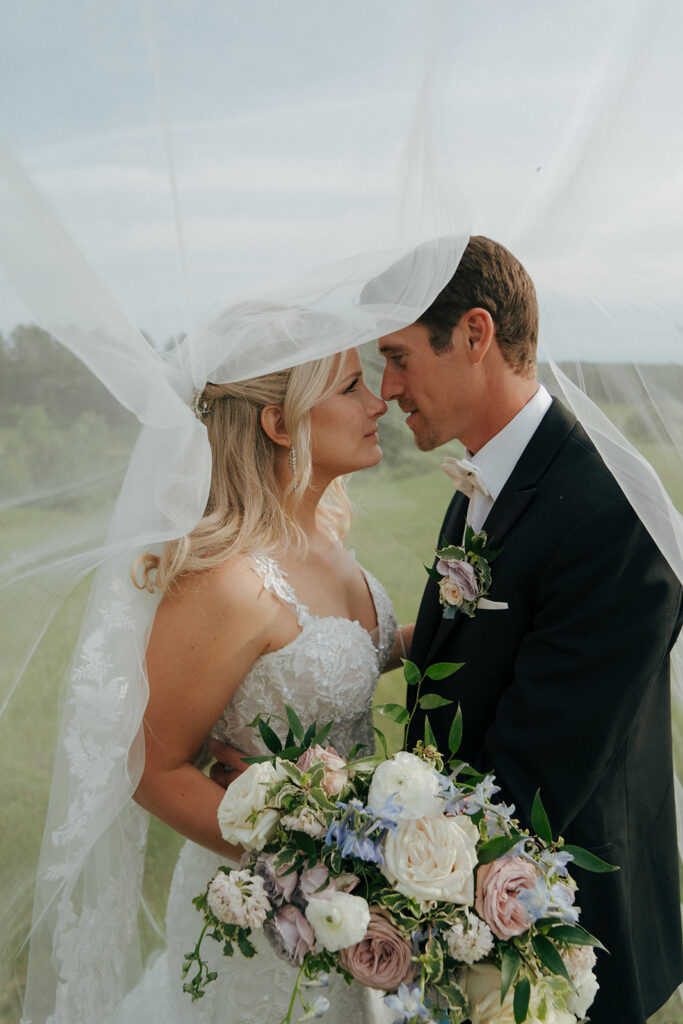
{"x": 403, "y": 873}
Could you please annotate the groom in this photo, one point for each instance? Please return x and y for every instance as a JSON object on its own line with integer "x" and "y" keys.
{"x": 566, "y": 688}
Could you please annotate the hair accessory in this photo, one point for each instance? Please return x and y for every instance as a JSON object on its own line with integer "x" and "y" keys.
{"x": 200, "y": 406}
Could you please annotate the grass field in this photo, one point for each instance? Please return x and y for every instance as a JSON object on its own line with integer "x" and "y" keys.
{"x": 393, "y": 535}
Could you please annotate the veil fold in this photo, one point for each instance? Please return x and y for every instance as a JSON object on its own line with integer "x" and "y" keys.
{"x": 349, "y": 140}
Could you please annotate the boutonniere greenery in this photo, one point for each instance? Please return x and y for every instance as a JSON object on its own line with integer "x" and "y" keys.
{"x": 464, "y": 574}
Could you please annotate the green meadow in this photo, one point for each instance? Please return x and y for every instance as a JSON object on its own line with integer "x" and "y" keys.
{"x": 398, "y": 509}
{"x": 396, "y": 521}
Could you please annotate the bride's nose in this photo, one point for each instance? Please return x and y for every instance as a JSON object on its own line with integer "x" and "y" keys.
{"x": 378, "y": 406}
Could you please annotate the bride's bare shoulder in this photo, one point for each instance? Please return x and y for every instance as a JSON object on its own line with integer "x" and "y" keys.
{"x": 229, "y": 588}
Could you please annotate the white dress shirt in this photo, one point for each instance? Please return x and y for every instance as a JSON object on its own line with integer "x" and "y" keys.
{"x": 500, "y": 455}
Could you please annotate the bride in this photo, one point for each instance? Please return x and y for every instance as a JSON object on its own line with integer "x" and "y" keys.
{"x": 262, "y": 606}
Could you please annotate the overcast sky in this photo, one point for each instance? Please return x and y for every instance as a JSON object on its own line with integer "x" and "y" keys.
{"x": 552, "y": 127}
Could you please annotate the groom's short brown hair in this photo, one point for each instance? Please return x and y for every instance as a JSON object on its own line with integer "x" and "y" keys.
{"x": 489, "y": 277}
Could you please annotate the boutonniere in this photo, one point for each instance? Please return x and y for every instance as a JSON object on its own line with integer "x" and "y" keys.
{"x": 464, "y": 575}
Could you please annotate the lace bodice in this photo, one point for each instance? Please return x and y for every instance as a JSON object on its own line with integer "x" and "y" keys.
{"x": 328, "y": 672}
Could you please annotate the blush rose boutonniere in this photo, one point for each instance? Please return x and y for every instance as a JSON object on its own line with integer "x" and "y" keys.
{"x": 463, "y": 574}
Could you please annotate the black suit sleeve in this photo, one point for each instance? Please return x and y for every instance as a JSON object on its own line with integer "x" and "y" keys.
{"x": 608, "y": 611}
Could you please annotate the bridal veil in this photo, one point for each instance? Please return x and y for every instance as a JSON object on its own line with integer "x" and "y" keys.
{"x": 210, "y": 159}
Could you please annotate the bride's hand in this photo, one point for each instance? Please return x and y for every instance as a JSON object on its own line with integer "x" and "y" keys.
{"x": 229, "y": 764}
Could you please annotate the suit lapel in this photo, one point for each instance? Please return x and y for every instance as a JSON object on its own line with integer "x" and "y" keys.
{"x": 519, "y": 490}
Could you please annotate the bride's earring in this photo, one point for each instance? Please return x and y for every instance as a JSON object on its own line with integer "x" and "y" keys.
{"x": 292, "y": 462}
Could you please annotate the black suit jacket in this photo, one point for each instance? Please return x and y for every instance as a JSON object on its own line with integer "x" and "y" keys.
{"x": 568, "y": 690}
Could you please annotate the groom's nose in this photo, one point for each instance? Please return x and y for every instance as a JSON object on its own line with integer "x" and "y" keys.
{"x": 391, "y": 387}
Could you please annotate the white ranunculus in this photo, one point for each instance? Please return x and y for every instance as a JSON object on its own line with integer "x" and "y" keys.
{"x": 433, "y": 859}
{"x": 408, "y": 781}
{"x": 244, "y": 796}
{"x": 338, "y": 919}
{"x": 481, "y": 983}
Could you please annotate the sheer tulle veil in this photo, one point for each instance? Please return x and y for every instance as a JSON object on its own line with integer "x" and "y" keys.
{"x": 252, "y": 144}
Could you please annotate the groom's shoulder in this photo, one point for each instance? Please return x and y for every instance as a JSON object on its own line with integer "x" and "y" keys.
{"x": 577, "y": 461}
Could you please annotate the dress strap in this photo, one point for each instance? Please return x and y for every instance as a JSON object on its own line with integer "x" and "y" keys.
{"x": 275, "y": 581}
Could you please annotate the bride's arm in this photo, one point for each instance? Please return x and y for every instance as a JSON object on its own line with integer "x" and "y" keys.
{"x": 206, "y": 636}
{"x": 401, "y": 648}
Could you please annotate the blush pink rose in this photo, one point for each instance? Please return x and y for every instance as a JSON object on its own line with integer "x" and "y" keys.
{"x": 383, "y": 959}
{"x": 336, "y": 776}
{"x": 498, "y": 886}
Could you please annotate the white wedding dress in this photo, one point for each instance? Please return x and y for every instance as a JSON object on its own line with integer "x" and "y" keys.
{"x": 327, "y": 673}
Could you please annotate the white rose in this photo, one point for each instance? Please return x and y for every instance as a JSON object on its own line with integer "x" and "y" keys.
{"x": 338, "y": 920}
{"x": 410, "y": 782}
{"x": 482, "y": 988}
{"x": 244, "y": 796}
{"x": 433, "y": 859}
{"x": 580, "y": 962}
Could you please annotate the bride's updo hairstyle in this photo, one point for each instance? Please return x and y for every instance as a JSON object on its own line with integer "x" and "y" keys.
{"x": 247, "y": 509}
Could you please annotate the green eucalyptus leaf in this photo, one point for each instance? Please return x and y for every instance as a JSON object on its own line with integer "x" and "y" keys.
{"x": 294, "y": 722}
{"x": 547, "y": 953}
{"x": 429, "y": 701}
{"x": 495, "y": 848}
{"x": 383, "y": 742}
{"x": 443, "y": 669}
{"x": 509, "y": 969}
{"x": 520, "y": 1002}
{"x": 411, "y": 672}
{"x": 539, "y": 819}
{"x": 429, "y": 737}
{"x": 589, "y": 861}
{"x": 455, "y": 732}
{"x": 396, "y": 712}
{"x": 320, "y": 737}
{"x": 574, "y": 935}
{"x": 270, "y": 738}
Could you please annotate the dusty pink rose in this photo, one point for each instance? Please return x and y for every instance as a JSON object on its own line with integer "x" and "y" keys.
{"x": 336, "y": 776}
{"x": 290, "y": 934}
{"x": 314, "y": 881}
{"x": 279, "y": 886}
{"x": 382, "y": 959}
{"x": 498, "y": 886}
{"x": 462, "y": 574}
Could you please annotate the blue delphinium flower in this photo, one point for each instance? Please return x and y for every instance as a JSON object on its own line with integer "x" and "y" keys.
{"x": 535, "y": 901}
{"x": 407, "y": 1003}
{"x": 361, "y": 830}
{"x": 557, "y": 862}
{"x": 562, "y": 903}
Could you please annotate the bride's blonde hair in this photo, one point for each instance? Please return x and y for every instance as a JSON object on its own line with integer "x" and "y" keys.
{"x": 247, "y": 510}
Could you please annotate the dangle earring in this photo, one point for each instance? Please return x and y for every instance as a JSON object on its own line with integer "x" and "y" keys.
{"x": 292, "y": 463}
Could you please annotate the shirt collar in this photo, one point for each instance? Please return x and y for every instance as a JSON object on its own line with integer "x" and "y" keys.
{"x": 498, "y": 457}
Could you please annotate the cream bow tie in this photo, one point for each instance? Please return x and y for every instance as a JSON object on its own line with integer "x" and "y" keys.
{"x": 466, "y": 476}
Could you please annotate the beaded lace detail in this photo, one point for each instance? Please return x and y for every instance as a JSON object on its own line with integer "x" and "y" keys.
{"x": 328, "y": 672}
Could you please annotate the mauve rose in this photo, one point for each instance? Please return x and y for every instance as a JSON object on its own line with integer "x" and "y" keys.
{"x": 382, "y": 959}
{"x": 498, "y": 886}
{"x": 279, "y": 887}
{"x": 336, "y": 776}
{"x": 313, "y": 881}
{"x": 462, "y": 574}
{"x": 290, "y": 934}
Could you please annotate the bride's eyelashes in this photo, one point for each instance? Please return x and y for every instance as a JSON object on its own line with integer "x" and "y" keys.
{"x": 352, "y": 386}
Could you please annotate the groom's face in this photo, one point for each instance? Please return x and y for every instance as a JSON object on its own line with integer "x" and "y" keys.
{"x": 436, "y": 390}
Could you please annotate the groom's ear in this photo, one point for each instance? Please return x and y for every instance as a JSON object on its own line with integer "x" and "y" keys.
{"x": 273, "y": 424}
{"x": 481, "y": 333}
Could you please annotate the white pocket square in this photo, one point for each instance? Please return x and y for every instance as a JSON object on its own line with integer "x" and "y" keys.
{"x": 491, "y": 606}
